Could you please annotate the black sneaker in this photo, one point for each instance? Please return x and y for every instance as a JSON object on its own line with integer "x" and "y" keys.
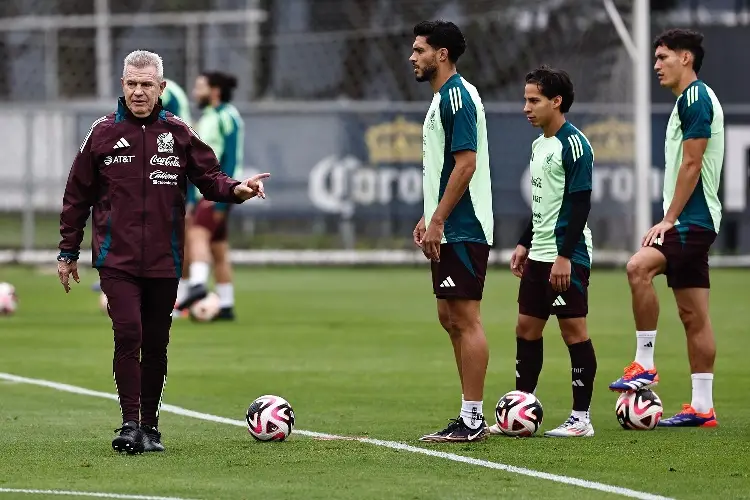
{"x": 196, "y": 293}
{"x": 225, "y": 314}
{"x": 130, "y": 439}
{"x": 458, "y": 432}
{"x": 151, "y": 438}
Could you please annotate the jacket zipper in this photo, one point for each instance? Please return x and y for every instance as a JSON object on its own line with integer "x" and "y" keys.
{"x": 143, "y": 221}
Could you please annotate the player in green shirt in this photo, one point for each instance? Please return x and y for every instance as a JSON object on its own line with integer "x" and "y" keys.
{"x": 678, "y": 246}
{"x": 175, "y": 100}
{"x": 456, "y": 230}
{"x": 553, "y": 256}
{"x": 221, "y": 127}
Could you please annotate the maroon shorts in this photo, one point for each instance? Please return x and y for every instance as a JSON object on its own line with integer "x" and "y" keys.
{"x": 686, "y": 249}
{"x": 536, "y": 297}
{"x": 461, "y": 271}
{"x": 203, "y": 216}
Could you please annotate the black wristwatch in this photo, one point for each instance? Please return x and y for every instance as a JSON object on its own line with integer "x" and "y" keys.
{"x": 65, "y": 258}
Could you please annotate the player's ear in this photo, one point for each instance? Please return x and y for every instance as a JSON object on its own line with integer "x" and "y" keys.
{"x": 557, "y": 102}
{"x": 162, "y": 86}
{"x": 687, "y": 57}
{"x": 443, "y": 55}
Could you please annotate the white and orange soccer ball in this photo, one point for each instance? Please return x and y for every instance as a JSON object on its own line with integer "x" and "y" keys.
{"x": 8, "y": 299}
{"x": 270, "y": 418}
{"x": 640, "y": 410}
{"x": 519, "y": 414}
{"x": 205, "y": 309}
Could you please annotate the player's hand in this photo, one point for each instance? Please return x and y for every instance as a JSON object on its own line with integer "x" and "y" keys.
{"x": 559, "y": 277}
{"x": 518, "y": 260}
{"x": 432, "y": 239}
{"x": 252, "y": 187}
{"x": 418, "y": 233}
{"x": 655, "y": 235}
{"x": 65, "y": 270}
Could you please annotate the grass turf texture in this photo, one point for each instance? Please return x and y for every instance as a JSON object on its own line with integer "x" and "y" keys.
{"x": 357, "y": 352}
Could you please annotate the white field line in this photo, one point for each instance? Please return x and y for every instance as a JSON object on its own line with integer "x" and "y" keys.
{"x": 582, "y": 483}
{"x": 86, "y": 494}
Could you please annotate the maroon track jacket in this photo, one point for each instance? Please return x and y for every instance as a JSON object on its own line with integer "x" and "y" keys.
{"x": 133, "y": 172}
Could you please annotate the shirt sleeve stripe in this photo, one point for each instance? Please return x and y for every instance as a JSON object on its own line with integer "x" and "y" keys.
{"x": 91, "y": 131}
{"x": 576, "y": 147}
{"x": 457, "y": 103}
{"x": 187, "y": 125}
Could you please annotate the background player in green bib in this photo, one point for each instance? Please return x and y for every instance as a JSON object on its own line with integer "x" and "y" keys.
{"x": 456, "y": 230}
{"x": 553, "y": 256}
{"x": 678, "y": 245}
{"x": 175, "y": 100}
{"x": 221, "y": 127}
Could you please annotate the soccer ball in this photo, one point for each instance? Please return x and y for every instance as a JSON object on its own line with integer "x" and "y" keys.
{"x": 519, "y": 414}
{"x": 640, "y": 410}
{"x": 270, "y": 418}
{"x": 8, "y": 299}
{"x": 205, "y": 309}
{"x": 103, "y": 302}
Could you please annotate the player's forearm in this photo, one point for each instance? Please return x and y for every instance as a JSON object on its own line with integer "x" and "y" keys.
{"x": 687, "y": 179}
{"x": 579, "y": 214}
{"x": 457, "y": 185}
{"x": 72, "y": 223}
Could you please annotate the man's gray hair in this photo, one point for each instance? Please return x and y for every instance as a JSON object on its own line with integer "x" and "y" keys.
{"x": 142, "y": 59}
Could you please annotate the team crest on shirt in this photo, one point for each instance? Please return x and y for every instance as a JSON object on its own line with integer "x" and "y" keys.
{"x": 165, "y": 143}
{"x": 547, "y": 167}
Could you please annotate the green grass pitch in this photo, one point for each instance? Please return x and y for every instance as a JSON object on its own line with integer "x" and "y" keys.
{"x": 358, "y": 353}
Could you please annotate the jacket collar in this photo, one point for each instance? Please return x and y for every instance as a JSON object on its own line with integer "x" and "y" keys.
{"x": 123, "y": 113}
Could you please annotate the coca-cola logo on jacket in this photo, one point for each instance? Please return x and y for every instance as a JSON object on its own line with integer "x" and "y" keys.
{"x": 165, "y": 161}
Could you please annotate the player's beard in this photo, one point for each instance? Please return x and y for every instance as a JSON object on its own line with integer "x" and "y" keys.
{"x": 204, "y": 102}
{"x": 427, "y": 73}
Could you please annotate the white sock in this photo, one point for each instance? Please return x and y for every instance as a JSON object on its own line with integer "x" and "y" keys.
{"x": 182, "y": 289}
{"x": 225, "y": 291}
{"x": 199, "y": 273}
{"x": 471, "y": 413}
{"x": 703, "y": 399}
{"x": 583, "y": 416}
{"x": 644, "y": 354}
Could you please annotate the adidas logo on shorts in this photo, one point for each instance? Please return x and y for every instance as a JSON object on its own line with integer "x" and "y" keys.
{"x": 559, "y": 301}
{"x": 447, "y": 283}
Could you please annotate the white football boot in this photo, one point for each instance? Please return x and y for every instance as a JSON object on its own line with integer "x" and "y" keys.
{"x": 572, "y": 427}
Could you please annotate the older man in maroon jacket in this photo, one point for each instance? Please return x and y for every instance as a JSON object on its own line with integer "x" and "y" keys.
{"x": 132, "y": 168}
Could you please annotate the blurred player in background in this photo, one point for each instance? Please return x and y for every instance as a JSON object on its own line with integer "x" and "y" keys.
{"x": 175, "y": 100}
{"x": 456, "y": 230}
{"x": 678, "y": 246}
{"x": 553, "y": 256}
{"x": 222, "y": 128}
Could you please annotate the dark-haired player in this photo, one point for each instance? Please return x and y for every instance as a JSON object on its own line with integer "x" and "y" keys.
{"x": 456, "y": 230}
{"x": 222, "y": 128}
{"x": 678, "y": 246}
{"x": 553, "y": 256}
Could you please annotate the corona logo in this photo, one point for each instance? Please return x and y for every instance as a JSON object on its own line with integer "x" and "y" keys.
{"x": 398, "y": 141}
{"x": 611, "y": 140}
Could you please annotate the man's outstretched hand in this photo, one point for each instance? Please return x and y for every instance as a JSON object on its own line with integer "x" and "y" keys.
{"x": 252, "y": 187}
